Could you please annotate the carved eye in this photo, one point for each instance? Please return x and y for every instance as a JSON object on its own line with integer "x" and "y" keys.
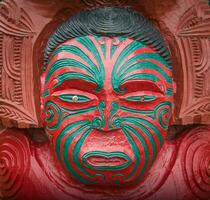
{"x": 73, "y": 98}
{"x": 142, "y": 98}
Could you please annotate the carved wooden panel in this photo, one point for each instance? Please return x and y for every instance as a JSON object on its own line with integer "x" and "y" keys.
{"x": 185, "y": 22}
{"x": 193, "y": 38}
{"x": 29, "y": 170}
{"x": 16, "y": 71}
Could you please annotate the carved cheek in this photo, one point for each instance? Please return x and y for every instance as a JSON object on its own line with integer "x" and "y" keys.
{"x": 62, "y": 109}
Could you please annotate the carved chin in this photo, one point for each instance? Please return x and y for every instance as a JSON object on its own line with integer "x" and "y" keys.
{"x": 113, "y": 159}
{"x": 106, "y": 169}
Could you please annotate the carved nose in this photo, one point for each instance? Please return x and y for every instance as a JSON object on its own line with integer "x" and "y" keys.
{"x": 107, "y": 116}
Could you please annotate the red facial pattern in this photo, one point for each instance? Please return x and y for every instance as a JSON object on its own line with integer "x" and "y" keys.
{"x": 107, "y": 105}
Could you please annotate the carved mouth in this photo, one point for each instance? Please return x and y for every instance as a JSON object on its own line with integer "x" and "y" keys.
{"x": 99, "y": 160}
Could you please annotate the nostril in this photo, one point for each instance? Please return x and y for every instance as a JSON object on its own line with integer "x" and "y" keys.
{"x": 97, "y": 123}
{"x": 117, "y": 122}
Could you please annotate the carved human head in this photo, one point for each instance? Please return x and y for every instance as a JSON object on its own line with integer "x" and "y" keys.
{"x": 107, "y": 95}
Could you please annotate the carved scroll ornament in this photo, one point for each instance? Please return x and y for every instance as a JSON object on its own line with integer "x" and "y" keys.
{"x": 193, "y": 37}
{"x": 16, "y": 71}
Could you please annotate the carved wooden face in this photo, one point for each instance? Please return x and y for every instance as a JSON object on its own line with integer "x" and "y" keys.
{"x": 107, "y": 104}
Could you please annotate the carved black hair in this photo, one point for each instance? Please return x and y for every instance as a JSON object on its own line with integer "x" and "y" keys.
{"x": 108, "y": 21}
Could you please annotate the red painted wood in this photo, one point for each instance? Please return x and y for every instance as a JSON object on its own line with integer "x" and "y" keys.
{"x": 183, "y": 23}
{"x": 30, "y": 170}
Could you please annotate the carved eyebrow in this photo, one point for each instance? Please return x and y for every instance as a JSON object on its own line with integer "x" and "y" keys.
{"x": 63, "y": 67}
{"x": 77, "y": 76}
{"x": 125, "y": 70}
{"x": 89, "y": 62}
{"x": 124, "y": 74}
{"x": 68, "y": 62}
{"x": 143, "y": 86}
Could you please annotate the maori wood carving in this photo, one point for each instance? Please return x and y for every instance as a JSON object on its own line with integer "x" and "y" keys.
{"x": 181, "y": 171}
{"x": 14, "y": 163}
{"x": 193, "y": 37}
{"x": 107, "y": 107}
{"x": 16, "y": 71}
{"x": 18, "y": 100}
{"x": 104, "y": 78}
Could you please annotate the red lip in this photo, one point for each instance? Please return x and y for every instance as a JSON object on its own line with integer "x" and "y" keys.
{"x": 99, "y": 160}
{"x": 105, "y": 161}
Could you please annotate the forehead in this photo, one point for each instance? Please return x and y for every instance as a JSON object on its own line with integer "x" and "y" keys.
{"x": 93, "y": 59}
{"x": 99, "y": 48}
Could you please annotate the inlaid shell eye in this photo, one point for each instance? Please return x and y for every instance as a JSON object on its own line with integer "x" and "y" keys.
{"x": 72, "y": 98}
{"x": 75, "y": 98}
{"x": 143, "y": 98}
